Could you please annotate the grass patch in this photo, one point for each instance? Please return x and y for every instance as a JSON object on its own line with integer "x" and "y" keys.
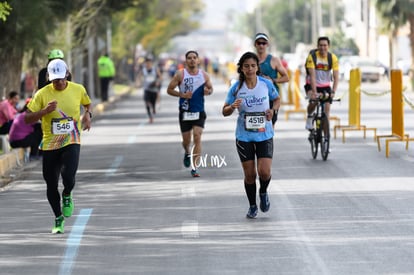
{"x": 119, "y": 88}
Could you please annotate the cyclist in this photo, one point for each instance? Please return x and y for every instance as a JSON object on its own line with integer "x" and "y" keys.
{"x": 320, "y": 77}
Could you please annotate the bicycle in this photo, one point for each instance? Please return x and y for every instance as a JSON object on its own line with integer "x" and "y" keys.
{"x": 319, "y": 135}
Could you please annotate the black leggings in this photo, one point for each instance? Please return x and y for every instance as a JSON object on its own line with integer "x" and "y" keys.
{"x": 63, "y": 161}
{"x": 150, "y": 99}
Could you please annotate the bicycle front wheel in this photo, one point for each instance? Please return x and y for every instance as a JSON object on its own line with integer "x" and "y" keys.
{"x": 325, "y": 138}
{"x": 314, "y": 143}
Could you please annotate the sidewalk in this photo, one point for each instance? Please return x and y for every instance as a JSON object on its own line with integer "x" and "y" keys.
{"x": 12, "y": 163}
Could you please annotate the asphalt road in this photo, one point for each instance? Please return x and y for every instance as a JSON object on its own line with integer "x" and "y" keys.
{"x": 138, "y": 210}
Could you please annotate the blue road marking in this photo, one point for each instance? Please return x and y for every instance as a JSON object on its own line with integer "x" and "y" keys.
{"x": 115, "y": 164}
{"x": 74, "y": 240}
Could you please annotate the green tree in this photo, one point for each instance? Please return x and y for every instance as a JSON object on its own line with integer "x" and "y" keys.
{"x": 26, "y": 28}
{"x": 4, "y": 10}
{"x": 395, "y": 14}
{"x": 289, "y": 22}
{"x": 34, "y": 27}
{"x": 341, "y": 45}
{"x": 154, "y": 26}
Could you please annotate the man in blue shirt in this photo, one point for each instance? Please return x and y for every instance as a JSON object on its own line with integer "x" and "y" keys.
{"x": 270, "y": 66}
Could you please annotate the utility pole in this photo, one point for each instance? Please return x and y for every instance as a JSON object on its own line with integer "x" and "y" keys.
{"x": 314, "y": 20}
{"x": 259, "y": 25}
{"x": 293, "y": 20}
{"x": 319, "y": 17}
{"x": 332, "y": 14}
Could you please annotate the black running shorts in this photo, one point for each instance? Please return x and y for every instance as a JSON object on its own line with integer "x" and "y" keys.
{"x": 251, "y": 150}
{"x": 186, "y": 126}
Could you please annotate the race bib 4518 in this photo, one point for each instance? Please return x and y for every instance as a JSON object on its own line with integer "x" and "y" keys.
{"x": 255, "y": 121}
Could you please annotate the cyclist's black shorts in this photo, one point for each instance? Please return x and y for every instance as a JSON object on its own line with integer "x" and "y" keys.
{"x": 325, "y": 90}
{"x": 251, "y": 150}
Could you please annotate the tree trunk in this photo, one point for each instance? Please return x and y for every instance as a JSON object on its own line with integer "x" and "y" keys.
{"x": 411, "y": 20}
{"x": 10, "y": 70}
{"x": 391, "y": 51}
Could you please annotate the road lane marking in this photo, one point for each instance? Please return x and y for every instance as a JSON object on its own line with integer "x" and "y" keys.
{"x": 189, "y": 229}
{"x": 74, "y": 240}
{"x": 188, "y": 192}
{"x": 132, "y": 139}
{"x": 114, "y": 166}
{"x": 312, "y": 256}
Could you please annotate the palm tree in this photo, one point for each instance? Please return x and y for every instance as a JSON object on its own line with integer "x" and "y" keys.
{"x": 395, "y": 14}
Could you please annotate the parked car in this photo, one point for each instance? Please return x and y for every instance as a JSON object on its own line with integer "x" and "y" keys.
{"x": 404, "y": 65}
{"x": 371, "y": 69}
{"x": 346, "y": 63}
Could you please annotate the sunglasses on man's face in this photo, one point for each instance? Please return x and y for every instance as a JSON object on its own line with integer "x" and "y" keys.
{"x": 261, "y": 43}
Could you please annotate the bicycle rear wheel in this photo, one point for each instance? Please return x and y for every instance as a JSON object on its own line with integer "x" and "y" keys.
{"x": 325, "y": 138}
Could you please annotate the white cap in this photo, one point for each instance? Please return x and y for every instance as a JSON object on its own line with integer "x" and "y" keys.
{"x": 57, "y": 69}
{"x": 262, "y": 36}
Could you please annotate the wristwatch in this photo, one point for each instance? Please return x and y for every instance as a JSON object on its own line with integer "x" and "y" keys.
{"x": 89, "y": 112}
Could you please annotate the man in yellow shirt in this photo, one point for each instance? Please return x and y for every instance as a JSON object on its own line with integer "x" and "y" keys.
{"x": 58, "y": 105}
{"x": 320, "y": 76}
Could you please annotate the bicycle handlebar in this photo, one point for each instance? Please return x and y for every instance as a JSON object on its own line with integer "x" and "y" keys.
{"x": 319, "y": 99}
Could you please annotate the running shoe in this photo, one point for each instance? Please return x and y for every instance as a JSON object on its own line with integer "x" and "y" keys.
{"x": 67, "y": 206}
{"x": 264, "y": 202}
{"x": 59, "y": 225}
{"x": 195, "y": 173}
{"x": 252, "y": 213}
{"x": 187, "y": 160}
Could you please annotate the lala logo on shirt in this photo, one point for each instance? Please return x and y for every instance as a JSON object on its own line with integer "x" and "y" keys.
{"x": 254, "y": 101}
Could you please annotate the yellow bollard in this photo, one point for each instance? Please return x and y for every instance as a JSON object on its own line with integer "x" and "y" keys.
{"x": 295, "y": 94}
{"x": 397, "y": 103}
{"x": 297, "y": 90}
{"x": 397, "y": 114}
{"x": 354, "y": 111}
{"x": 291, "y": 88}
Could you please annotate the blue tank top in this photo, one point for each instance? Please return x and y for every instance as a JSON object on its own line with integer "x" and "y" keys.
{"x": 194, "y": 83}
{"x": 266, "y": 67}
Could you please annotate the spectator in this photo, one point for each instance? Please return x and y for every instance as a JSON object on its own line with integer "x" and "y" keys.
{"x": 24, "y": 135}
{"x": 106, "y": 73}
{"x": 8, "y": 109}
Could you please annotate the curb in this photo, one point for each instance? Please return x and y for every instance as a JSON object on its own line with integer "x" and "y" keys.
{"x": 15, "y": 158}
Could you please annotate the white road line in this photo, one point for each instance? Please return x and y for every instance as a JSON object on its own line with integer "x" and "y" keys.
{"x": 73, "y": 242}
{"x": 312, "y": 256}
{"x": 188, "y": 192}
{"x": 114, "y": 166}
{"x": 189, "y": 229}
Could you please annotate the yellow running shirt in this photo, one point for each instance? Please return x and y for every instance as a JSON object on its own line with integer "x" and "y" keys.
{"x": 62, "y": 126}
{"x": 322, "y": 70}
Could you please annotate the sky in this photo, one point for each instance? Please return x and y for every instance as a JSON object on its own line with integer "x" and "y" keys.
{"x": 216, "y": 12}
{"x": 215, "y": 39}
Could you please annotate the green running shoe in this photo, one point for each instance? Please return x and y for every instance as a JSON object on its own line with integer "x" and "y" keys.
{"x": 59, "y": 225}
{"x": 67, "y": 206}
